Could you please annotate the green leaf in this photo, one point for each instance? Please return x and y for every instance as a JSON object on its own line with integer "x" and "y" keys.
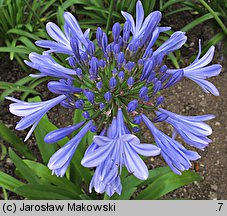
{"x": 130, "y": 183}
{"x": 24, "y": 170}
{"x": 173, "y": 58}
{"x": 32, "y": 85}
{"x": 16, "y": 87}
{"x": 178, "y": 11}
{"x": 170, "y": 3}
{"x": 77, "y": 117}
{"x": 19, "y": 82}
{"x": 69, "y": 3}
{"x": 45, "y": 192}
{"x": 14, "y": 49}
{"x": 83, "y": 172}
{"x": 10, "y": 137}
{"x": 46, "y": 150}
{"x": 8, "y": 182}
{"x": 3, "y": 151}
{"x": 29, "y": 44}
{"x": 167, "y": 183}
{"x": 23, "y": 33}
{"x": 44, "y": 172}
{"x": 196, "y": 22}
{"x": 213, "y": 41}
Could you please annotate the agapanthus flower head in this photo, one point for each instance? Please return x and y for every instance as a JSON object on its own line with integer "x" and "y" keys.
{"x": 114, "y": 84}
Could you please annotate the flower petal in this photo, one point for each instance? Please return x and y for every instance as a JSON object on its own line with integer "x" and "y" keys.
{"x": 135, "y": 164}
{"x": 93, "y": 159}
{"x": 56, "y": 33}
{"x": 207, "y": 86}
{"x": 146, "y": 149}
{"x": 139, "y": 15}
{"x": 129, "y": 18}
{"x": 101, "y": 140}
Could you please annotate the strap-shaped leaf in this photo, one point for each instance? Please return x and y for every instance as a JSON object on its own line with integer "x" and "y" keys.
{"x": 45, "y": 192}
{"x": 20, "y": 82}
{"x": 43, "y": 172}
{"x": 10, "y": 137}
{"x": 16, "y": 87}
{"x": 24, "y": 170}
{"x": 167, "y": 183}
{"x": 130, "y": 183}
{"x": 8, "y": 182}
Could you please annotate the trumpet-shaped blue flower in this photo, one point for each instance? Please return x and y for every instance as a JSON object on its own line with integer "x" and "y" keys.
{"x": 59, "y": 134}
{"x": 119, "y": 149}
{"x": 63, "y": 87}
{"x": 175, "y": 155}
{"x": 60, "y": 160}
{"x": 62, "y": 42}
{"x": 198, "y": 71}
{"x": 139, "y": 28}
{"x": 48, "y": 67}
{"x": 191, "y": 128}
{"x": 31, "y": 112}
{"x": 176, "y": 41}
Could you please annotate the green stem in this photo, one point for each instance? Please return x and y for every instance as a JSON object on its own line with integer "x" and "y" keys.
{"x": 96, "y": 114}
{"x": 218, "y": 20}
{"x": 5, "y": 194}
{"x": 109, "y": 17}
{"x": 35, "y": 14}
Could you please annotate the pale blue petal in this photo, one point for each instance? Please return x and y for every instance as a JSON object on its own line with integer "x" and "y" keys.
{"x": 75, "y": 28}
{"x": 205, "y": 60}
{"x": 101, "y": 140}
{"x": 60, "y": 157}
{"x": 135, "y": 164}
{"x": 207, "y": 86}
{"x": 146, "y": 149}
{"x": 129, "y": 18}
{"x": 54, "y": 47}
{"x": 132, "y": 139}
{"x": 139, "y": 15}
{"x": 205, "y": 72}
{"x": 175, "y": 42}
{"x": 96, "y": 157}
{"x": 199, "y": 53}
{"x": 56, "y": 33}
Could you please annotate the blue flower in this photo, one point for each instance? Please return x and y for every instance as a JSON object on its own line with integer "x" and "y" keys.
{"x": 48, "y": 67}
{"x": 119, "y": 148}
{"x": 175, "y": 155}
{"x": 63, "y": 87}
{"x": 191, "y": 128}
{"x": 138, "y": 29}
{"x": 60, "y": 160}
{"x": 176, "y": 41}
{"x": 198, "y": 71}
{"x": 62, "y": 44}
{"x": 132, "y": 105}
{"x": 59, "y": 134}
{"x": 32, "y": 112}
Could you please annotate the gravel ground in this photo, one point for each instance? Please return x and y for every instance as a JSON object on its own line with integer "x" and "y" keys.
{"x": 186, "y": 98}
